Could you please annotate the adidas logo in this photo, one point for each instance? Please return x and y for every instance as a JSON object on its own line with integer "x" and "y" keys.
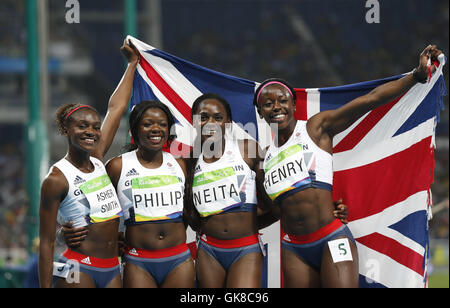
{"x": 286, "y": 238}
{"x": 86, "y": 261}
{"x": 132, "y": 172}
{"x": 78, "y": 180}
{"x": 133, "y": 252}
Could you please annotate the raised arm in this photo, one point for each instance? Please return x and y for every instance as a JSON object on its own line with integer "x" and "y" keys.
{"x": 332, "y": 122}
{"x": 118, "y": 102}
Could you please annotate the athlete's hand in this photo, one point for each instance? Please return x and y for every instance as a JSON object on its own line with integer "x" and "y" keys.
{"x": 74, "y": 236}
{"x": 429, "y": 54}
{"x": 121, "y": 243}
{"x": 341, "y": 211}
{"x": 130, "y": 52}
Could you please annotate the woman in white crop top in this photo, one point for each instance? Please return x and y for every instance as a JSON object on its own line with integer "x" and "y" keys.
{"x": 78, "y": 190}
{"x": 221, "y": 203}
{"x": 304, "y": 197}
{"x": 150, "y": 184}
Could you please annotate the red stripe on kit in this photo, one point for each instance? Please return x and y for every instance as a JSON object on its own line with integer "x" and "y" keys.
{"x": 91, "y": 261}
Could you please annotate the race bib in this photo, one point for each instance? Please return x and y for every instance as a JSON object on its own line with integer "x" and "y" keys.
{"x": 157, "y": 197}
{"x": 340, "y": 250}
{"x": 61, "y": 269}
{"x": 102, "y": 198}
{"x": 286, "y": 171}
{"x": 216, "y": 191}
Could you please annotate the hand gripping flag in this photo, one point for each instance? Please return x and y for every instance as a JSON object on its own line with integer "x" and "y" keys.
{"x": 383, "y": 164}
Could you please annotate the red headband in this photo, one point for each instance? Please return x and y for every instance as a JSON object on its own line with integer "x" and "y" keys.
{"x": 79, "y": 107}
{"x": 269, "y": 83}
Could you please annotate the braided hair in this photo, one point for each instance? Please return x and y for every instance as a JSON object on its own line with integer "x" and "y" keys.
{"x": 191, "y": 215}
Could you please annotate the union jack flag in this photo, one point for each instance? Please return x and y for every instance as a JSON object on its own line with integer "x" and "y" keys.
{"x": 383, "y": 164}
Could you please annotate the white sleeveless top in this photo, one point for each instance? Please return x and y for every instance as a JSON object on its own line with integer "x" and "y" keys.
{"x": 225, "y": 185}
{"x": 151, "y": 195}
{"x": 91, "y": 197}
{"x": 296, "y": 165}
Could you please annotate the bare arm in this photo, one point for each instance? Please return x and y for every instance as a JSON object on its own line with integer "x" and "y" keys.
{"x": 53, "y": 188}
{"x": 182, "y": 163}
{"x": 268, "y": 217}
{"x": 114, "y": 168}
{"x": 254, "y": 156}
{"x": 190, "y": 215}
{"x": 118, "y": 102}
{"x": 72, "y": 236}
{"x": 325, "y": 125}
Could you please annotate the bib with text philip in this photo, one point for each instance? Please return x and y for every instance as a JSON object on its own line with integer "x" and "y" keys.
{"x": 216, "y": 191}
{"x": 102, "y": 198}
{"x": 157, "y": 197}
{"x": 285, "y": 171}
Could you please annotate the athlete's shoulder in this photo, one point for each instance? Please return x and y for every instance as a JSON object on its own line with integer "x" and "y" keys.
{"x": 182, "y": 162}
{"x": 114, "y": 165}
{"x": 55, "y": 174}
{"x": 251, "y": 151}
{"x": 114, "y": 161}
{"x": 54, "y": 182}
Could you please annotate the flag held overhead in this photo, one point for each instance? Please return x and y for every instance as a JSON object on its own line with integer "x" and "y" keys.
{"x": 383, "y": 163}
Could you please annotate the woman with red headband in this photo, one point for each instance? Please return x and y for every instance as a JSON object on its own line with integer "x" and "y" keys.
{"x": 78, "y": 190}
{"x": 317, "y": 250}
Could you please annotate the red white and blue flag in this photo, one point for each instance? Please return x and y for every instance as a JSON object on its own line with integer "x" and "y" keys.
{"x": 383, "y": 164}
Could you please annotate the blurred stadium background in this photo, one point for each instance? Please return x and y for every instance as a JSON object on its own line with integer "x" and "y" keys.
{"x": 310, "y": 43}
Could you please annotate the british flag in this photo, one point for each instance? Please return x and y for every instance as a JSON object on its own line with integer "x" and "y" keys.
{"x": 383, "y": 164}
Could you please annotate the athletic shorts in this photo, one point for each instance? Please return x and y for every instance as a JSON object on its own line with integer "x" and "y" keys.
{"x": 101, "y": 271}
{"x": 226, "y": 252}
{"x": 310, "y": 247}
{"x": 158, "y": 263}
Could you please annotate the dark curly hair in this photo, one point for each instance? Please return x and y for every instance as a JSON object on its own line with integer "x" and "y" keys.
{"x": 63, "y": 111}
{"x": 136, "y": 115}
